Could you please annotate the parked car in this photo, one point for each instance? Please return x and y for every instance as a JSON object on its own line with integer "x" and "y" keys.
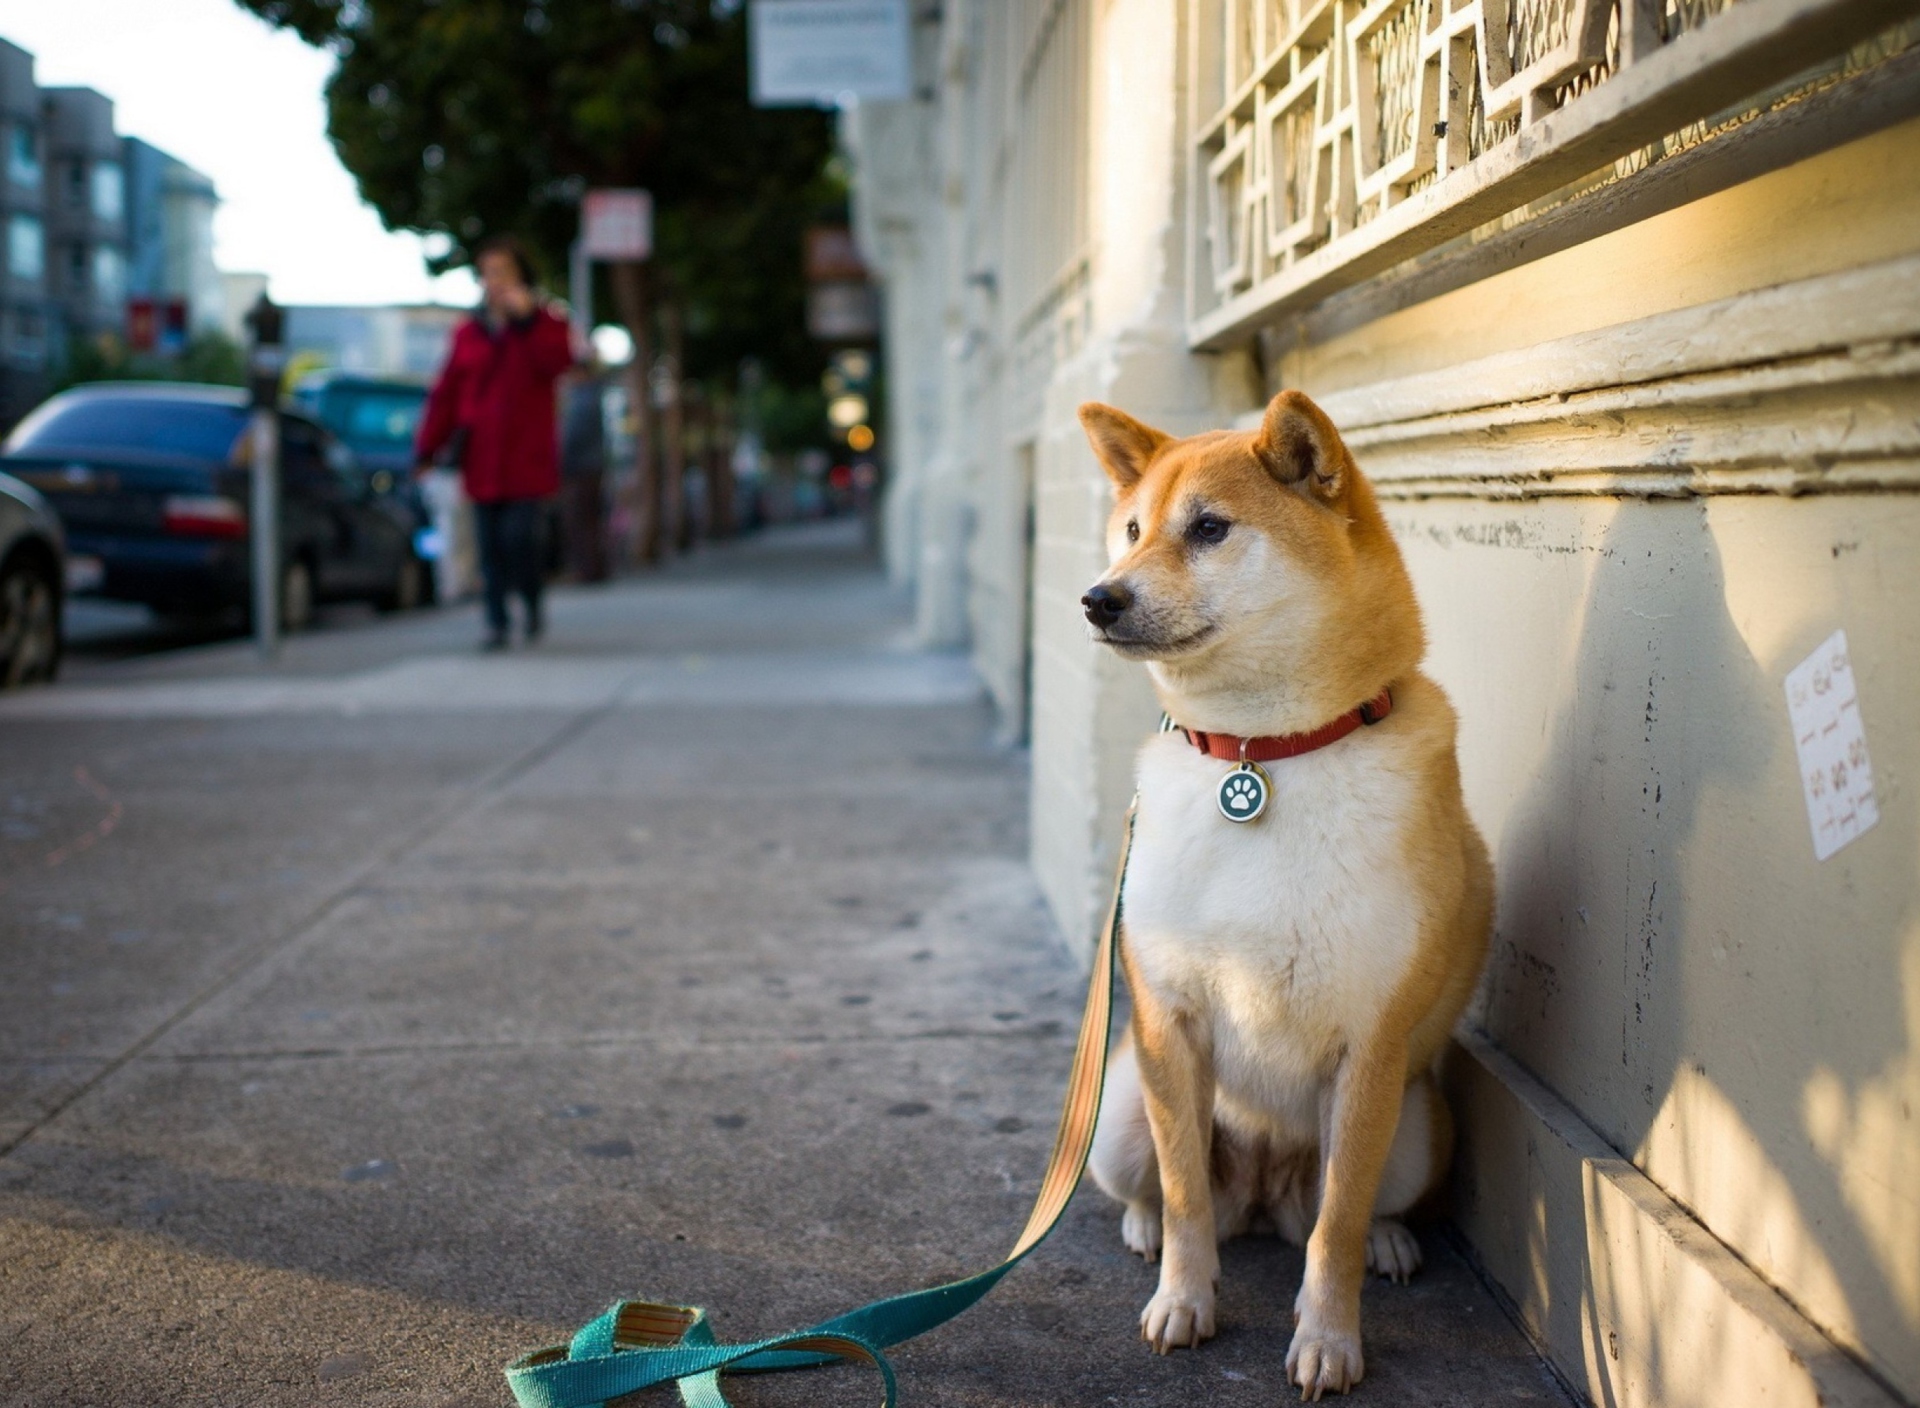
{"x": 151, "y": 481}
{"x": 32, "y": 582}
{"x": 375, "y": 416}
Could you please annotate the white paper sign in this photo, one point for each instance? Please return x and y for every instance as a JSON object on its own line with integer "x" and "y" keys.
{"x": 1831, "y": 740}
{"x": 824, "y": 52}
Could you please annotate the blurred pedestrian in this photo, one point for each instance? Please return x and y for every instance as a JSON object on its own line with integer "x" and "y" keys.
{"x": 583, "y": 478}
{"x": 492, "y": 410}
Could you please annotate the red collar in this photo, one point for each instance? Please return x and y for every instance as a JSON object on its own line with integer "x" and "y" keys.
{"x": 1228, "y": 748}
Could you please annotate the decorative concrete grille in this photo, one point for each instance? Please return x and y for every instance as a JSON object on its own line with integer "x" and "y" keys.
{"x": 1336, "y": 138}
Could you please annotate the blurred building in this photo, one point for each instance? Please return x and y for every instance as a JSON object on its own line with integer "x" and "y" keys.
{"x": 239, "y": 291}
{"x": 25, "y": 335}
{"x": 105, "y": 237}
{"x": 86, "y": 213}
{"x": 405, "y": 340}
{"x": 171, "y": 275}
{"x": 1619, "y": 306}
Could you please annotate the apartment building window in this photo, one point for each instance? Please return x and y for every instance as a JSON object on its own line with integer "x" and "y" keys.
{"x": 109, "y": 275}
{"x": 26, "y": 340}
{"x": 77, "y": 268}
{"x": 76, "y": 185}
{"x": 23, "y": 156}
{"x": 109, "y": 191}
{"x": 26, "y": 247}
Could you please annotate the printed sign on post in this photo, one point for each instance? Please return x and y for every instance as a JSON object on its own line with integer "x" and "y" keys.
{"x": 617, "y": 224}
{"x": 1831, "y": 741}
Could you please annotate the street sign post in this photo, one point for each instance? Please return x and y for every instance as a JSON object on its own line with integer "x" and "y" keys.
{"x": 580, "y": 290}
{"x": 266, "y": 358}
{"x": 616, "y": 226}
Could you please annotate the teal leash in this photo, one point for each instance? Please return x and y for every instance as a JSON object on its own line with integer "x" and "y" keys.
{"x": 639, "y": 1345}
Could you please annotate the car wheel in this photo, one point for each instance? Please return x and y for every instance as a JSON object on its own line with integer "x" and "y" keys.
{"x": 29, "y": 624}
{"x": 296, "y": 597}
{"x": 409, "y": 587}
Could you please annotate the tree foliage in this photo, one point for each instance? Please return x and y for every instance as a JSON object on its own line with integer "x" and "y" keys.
{"x": 209, "y": 357}
{"x": 467, "y": 118}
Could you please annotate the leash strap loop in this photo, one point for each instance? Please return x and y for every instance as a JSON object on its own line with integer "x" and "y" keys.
{"x": 638, "y": 1345}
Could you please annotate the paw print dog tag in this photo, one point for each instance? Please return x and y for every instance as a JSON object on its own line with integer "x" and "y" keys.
{"x": 1244, "y": 792}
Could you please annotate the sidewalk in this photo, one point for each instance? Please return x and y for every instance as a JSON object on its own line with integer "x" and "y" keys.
{"x": 370, "y": 1021}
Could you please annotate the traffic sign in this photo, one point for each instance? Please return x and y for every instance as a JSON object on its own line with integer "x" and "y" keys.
{"x": 617, "y": 224}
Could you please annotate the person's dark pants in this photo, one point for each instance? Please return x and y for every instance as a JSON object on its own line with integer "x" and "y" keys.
{"x": 509, "y": 532}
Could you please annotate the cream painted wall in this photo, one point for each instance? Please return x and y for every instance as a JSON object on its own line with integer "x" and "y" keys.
{"x": 1589, "y": 460}
{"x": 1739, "y": 1018}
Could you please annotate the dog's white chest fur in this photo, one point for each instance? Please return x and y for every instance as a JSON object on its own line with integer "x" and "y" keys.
{"x": 1285, "y": 937}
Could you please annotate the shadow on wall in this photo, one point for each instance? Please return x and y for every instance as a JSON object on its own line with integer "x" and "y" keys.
{"x": 1740, "y": 1019}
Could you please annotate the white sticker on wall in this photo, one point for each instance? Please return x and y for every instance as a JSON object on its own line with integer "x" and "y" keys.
{"x": 1832, "y": 743}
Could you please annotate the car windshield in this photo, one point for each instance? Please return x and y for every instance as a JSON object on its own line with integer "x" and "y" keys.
{"x": 203, "y": 429}
{"x": 373, "y": 418}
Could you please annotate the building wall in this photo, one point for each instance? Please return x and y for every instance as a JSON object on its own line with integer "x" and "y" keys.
{"x": 899, "y": 229}
{"x": 85, "y": 212}
{"x": 1646, "y": 418}
{"x": 114, "y": 218}
{"x": 170, "y": 210}
{"x": 24, "y": 332}
{"x": 1736, "y": 1016}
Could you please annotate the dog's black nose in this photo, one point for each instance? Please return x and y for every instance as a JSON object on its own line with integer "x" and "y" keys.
{"x": 1107, "y": 603}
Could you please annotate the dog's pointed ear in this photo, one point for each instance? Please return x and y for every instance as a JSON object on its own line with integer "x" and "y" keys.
{"x": 1299, "y": 447}
{"x": 1122, "y": 444}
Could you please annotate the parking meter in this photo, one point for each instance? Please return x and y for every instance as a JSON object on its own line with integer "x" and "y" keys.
{"x": 266, "y": 358}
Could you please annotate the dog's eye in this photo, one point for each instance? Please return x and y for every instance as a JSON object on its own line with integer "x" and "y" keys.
{"x": 1133, "y": 532}
{"x": 1208, "y": 528}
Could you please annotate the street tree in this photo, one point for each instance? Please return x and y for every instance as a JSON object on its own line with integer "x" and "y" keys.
{"x": 464, "y": 118}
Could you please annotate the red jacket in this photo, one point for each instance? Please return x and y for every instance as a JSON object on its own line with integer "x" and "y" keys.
{"x": 498, "y": 387}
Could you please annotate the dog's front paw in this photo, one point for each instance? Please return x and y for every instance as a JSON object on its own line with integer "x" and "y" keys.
{"x": 1140, "y": 1230}
{"x": 1177, "y": 1319}
{"x": 1320, "y": 1359}
{"x": 1391, "y": 1250}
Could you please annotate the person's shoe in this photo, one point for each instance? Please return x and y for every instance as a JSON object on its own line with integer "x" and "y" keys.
{"x": 495, "y": 641}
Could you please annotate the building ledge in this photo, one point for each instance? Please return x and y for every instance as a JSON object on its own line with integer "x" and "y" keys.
{"x": 1636, "y": 1304}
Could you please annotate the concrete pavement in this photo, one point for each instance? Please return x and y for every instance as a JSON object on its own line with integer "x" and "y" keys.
{"x": 370, "y": 1020}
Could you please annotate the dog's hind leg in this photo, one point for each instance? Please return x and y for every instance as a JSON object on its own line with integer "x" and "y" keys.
{"x": 1122, "y": 1161}
{"x": 1422, "y": 1144}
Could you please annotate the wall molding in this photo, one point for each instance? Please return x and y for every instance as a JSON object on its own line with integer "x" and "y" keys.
{"x": 1859, "y": 307}
{"x": 1808, "y": 387}
{"x": 1535, "y": 1183}
{"x": 1835, "y": 423}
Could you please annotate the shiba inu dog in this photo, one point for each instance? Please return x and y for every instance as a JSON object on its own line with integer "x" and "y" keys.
{"x": 1294, "y": 976}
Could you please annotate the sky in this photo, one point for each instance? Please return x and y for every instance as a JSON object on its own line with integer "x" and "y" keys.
{"x": 209, "y": 83}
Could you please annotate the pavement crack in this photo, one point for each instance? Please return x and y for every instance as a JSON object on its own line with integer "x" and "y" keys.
{"x": 616, "y": 1042}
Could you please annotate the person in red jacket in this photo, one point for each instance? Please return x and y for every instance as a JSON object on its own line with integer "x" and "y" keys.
{"x": 492, "y": 409}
